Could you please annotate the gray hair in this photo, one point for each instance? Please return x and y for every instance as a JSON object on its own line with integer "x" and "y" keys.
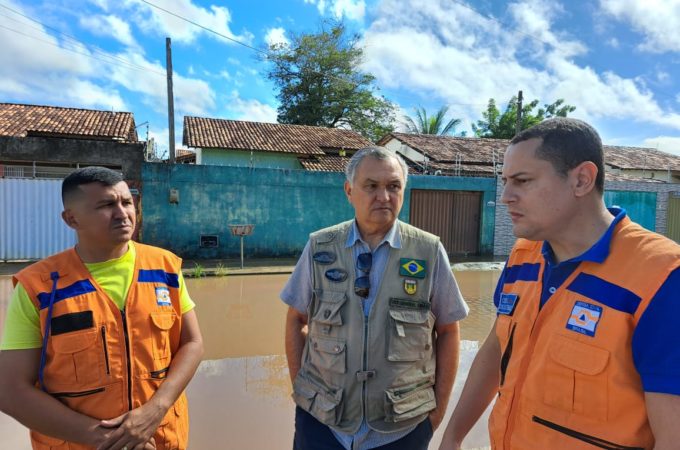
{"x": 376, "y": 152}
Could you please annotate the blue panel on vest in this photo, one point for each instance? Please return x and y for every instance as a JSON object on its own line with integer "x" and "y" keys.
{"x": 158, "y": 276}
{"x": 605, "y": 292}
{"x": 78, "y": 288}
{"x": 522, "y": 272}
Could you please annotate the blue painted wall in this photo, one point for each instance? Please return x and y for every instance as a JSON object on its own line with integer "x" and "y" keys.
{"x": 240, "y": 158}
{"x": 640, "y": 206}
{"x": 285, "y": 206}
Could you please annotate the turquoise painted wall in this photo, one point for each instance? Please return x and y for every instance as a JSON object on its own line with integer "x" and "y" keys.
{"x": 640, "y": 206}
{"x": 240, "y": 158}
{"x": 285, "y": 206}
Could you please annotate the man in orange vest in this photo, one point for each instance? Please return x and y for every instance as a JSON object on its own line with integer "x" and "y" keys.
{"x": 584, "y": 353}
{"x": 100, "y": 340}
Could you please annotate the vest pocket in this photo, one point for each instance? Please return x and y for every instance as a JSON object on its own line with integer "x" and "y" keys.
{"x": 575, "y": 378}
{"x": 41, "y": 441}
{"x": 163, "y": 322}
{"x": 77, "y": 357}
{"x": 328, "y": 311}
{"x": 409, "y": 334}
{"x": 408, "y": 402}
{"x": 318, "y": 400}
{"x": 328, "y": 354}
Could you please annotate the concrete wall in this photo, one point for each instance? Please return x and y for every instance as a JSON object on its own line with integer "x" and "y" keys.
{"x": 645, "y": 203}
{"x": 284, "y": 205}
{"x": 128, "y": 156}
{"x": 240, "y": 158}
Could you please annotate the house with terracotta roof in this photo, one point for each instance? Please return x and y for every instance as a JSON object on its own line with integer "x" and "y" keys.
{"x": 270, "y": 145}
{"x": 39, "y": 141}
{"x": 481, "y": 157}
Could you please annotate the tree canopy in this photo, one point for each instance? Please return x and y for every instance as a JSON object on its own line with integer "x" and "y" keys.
{"x": 502, "y": 126}
{"x": 435, "y": 124}
{"x": 320, "y": 83}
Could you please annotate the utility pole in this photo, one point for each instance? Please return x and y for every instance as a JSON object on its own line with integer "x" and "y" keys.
{"x": 171, "y": 103}
{"x": 518, "y": 125}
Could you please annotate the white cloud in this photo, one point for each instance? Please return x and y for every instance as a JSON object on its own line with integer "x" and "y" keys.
{"x": 613, "y": 43}
{"x": 448, "y": 53}
{"x": 669, "y": 144}
{"x": 350, "y": 9}
{"x": 658, "y": 21}
{"x": 250, "y": 109}
{"x": 110, "y": 26}
{"x": 216, "y": 18}
{"x": 276, "y": 36}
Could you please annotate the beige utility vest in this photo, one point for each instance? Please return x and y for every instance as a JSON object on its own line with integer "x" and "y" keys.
{"x": 383, "y": 367}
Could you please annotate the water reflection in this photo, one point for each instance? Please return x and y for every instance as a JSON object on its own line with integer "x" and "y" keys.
{"x": 240, "y": 397}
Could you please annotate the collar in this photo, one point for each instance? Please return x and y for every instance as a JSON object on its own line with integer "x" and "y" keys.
{"x": 392, "y": 237}
{"x": 599, "y": 252}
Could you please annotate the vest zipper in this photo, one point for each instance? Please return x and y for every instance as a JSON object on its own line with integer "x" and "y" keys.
{"x": 106, "y": 350}
{"x": 592, "y": 440}
{"x": 129, "y": 360}
{"x": 77, "y": 394}
{"x": 505, "y": 360}
{"x": 365, "y": 367}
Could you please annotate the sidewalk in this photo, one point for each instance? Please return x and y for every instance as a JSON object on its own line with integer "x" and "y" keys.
{"x": 272, "y": 266}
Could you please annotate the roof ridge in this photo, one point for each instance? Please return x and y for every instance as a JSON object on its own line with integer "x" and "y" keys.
{"x": 72, "y": 108}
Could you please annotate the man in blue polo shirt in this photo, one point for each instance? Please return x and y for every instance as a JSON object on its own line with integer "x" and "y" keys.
{"x": 584, "y": 351}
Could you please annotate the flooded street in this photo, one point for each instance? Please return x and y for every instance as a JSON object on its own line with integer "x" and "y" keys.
{"x": 240, "y": 397}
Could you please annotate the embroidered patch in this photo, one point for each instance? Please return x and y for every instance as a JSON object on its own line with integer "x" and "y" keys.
{"x": 410, "y": 286}
{"x": 416, "y": 268}
{"x": 336, "y": 275}
{"x": 584, "y": 318}
{"x": 324, "y": 257}
{"x": 507, "y": 303}
{"x": 163, "y": 296}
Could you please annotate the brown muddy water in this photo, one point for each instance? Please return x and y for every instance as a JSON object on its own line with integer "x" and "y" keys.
{"x": 240, "y": 396}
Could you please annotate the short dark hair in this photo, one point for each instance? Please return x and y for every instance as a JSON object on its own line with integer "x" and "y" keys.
{"x": 566, "y": 143}
{"x": 87, "y": 175}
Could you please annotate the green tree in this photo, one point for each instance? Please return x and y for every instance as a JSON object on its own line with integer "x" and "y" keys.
{"x": 502, "y": 126}
{"x": 424, "y": 124}
{"x": 320, "y": 83}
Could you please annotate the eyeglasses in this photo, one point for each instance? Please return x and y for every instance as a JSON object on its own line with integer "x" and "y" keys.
{"x": 362, "y": 284}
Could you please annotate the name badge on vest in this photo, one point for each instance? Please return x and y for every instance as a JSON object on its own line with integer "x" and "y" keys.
{"x": 163, "y": 296}
{"x": 507, "y": 303}
{"x": 584, "y": 318}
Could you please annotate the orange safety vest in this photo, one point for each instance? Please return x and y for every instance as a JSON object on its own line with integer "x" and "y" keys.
{"x": 567, "y": 378}
{"x": 100, "y": 361}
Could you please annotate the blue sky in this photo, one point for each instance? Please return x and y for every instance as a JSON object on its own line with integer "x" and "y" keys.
{"x": 617, "y": 61}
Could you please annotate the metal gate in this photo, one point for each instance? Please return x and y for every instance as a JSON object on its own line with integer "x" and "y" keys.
{"x": 673, "y": 224}
{"x": 454, "y": 216}
{"x": 30, "y": 219}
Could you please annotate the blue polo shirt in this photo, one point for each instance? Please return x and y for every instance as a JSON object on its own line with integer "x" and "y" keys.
{"x": 655, "y": 348}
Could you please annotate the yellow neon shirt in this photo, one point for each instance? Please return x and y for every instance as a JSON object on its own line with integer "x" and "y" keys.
{"x": 22, "y": 324}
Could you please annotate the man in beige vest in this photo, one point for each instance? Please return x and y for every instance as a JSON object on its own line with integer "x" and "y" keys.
{"x": 372, "y": 330}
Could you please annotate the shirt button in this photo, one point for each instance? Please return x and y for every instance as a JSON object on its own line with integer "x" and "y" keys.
{"x": 326, "y": 313}
{"x": 552, "y": 290}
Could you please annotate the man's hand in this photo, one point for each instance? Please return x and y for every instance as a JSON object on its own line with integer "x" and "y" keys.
{"x": 436, "y": 416}
{"x": 134, "y": 429}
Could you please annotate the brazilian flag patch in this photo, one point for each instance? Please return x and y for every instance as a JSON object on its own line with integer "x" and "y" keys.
{"x": 416, "y": 268}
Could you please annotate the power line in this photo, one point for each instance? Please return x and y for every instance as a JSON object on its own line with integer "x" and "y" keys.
{"x": 66, "y": 49}
{"x": 210, "y": 30}
{"x": 73, "y": 39}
